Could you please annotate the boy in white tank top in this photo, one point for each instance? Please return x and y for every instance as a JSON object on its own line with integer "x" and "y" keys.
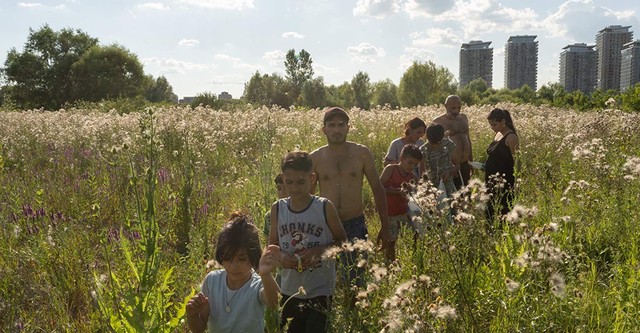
{"x": 305, "y": 226}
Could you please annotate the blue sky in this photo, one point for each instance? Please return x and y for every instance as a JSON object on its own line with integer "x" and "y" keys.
{"x": 217, "y": 45}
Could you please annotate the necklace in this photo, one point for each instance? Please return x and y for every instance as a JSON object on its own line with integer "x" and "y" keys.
{"x": 227, "y": 302}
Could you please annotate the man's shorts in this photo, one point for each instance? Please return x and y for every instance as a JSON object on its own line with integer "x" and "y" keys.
{"x": 355, "y": 228}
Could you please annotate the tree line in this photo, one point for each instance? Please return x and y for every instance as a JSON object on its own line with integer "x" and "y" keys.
{"x": 66, "y": 68}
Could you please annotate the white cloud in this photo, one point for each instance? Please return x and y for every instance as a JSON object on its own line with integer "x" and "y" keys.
{"x": 29, "y": 4}
{"x": 436, "y": 36}
{"x": 322, "y": 70}
{"x": 477, "y": 18}
{"x": 569, "y": 20}
{"x": 376, "y": 8}
{"x": 292, "y": 34}
{"x": 274, "y": 57}
{"x": 236, "y": 62}
{"x": 188, "y": 42}
{"x": 170, "y": 65}
{"x": 412, "y": 54}
{"x": 223, "y": 4}
{"x": 365, "y": 52}
{"x": 153, "y": 5}
{"x": 428, "y": 8}
{"x": 227, "y": 79}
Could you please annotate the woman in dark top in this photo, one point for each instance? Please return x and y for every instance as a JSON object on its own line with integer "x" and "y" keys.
{"x": 499, "y": 167}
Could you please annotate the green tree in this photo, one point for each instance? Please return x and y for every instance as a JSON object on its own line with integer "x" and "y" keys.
{"x": 313, "y": 93}
{"x": 267, "y": 90}
{"x": 206, "y": 99}
{"x": 551, "y": 94}
{"x": 298, "y": 69}
{"x": 107, "y": 72}
{"x": 361, "y": 90}
{"x": 159, "y": 90}
{"x": 385, "y": 93}
{"x": 40, "y": 75}
{"x": 472, "y": 93}
{"x": 526, "y": 94}
{"x": 425, "y": 84}
{"x": 631, "y": 98}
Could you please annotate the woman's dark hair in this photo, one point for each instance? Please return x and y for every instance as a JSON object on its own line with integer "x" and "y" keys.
{"x": 435, "y": 133}
{"x": 501, "y": 114}
{"x": 411, "y": 151}
{"x": 413, "y": 124}
{"x": 239, "y": 233}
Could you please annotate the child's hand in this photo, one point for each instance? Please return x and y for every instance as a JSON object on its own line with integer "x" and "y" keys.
{"x": 198, "y": 306}
{"x": 270, "y": 259}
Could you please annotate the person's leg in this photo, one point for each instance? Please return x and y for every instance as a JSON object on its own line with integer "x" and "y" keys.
{"x": 355, "y": 229}
{"x": 317, "y": 320}
{"x": 293, "y": 314}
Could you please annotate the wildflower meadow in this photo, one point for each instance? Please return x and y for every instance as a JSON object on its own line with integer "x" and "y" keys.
{"x": 109, "y": 220}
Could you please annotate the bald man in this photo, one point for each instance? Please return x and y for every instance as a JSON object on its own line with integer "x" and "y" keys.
{"x": 456, "y": 126}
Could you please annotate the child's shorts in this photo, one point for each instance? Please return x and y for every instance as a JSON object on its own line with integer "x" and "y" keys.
{"x": 395, "y": 223}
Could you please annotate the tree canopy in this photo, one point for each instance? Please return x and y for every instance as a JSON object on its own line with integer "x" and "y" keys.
{"x": 425, "y": 84}
{"x": 298, "y": 70}
{"x": 56, "y": 68}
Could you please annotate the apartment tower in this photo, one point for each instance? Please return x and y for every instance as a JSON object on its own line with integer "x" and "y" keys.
{"x": 630, "y": 65}
{"x": 521, "y": 62}
{"x": 476, "y": 62}
{"x": 578, "y": 63}
{"x": 609, "y": 44}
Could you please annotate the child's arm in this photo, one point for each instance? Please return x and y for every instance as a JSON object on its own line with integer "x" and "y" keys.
{"x": 311, "y": 256}
{"x": 384, "y": 178}
{"x": 286, "y": 260}
{"x": 268, "y": 263}
{"x": 198, "y": 313}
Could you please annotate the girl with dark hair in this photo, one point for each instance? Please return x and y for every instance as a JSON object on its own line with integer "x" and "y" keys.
{"x": 233, "y": 299}
{"x": 499, "y": 167}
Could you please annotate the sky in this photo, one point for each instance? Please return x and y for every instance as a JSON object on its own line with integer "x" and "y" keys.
{"x": 217, "y": 45}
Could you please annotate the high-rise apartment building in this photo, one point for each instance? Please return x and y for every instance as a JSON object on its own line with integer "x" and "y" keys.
{"x": 578, "y": 64}
{"x": 609, "y": 43}
{"x": 630, "y": 65}
{"x": 476, "y": 62}
{"x": 521, "y": 62}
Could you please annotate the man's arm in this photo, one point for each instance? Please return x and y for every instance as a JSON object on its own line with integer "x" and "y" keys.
{"x": 378, "y": 195}
{"x": 314, "y": 159}
{"x": 466, "y": 131}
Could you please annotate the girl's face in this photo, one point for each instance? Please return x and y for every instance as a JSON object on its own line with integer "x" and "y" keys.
{"x": 408, "y": 163}
{"x": 238, "y": 267}
{"x": 416, "y": 133}
{"x": 497, "y": 125}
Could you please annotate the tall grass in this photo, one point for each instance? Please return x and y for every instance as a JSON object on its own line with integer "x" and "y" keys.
{"x": 108, "y": 225}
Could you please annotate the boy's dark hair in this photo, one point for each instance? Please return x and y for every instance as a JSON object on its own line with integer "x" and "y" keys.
{"x": 278, "y": 179}
{"x": 239, "y": 233}
{"x": 435, "y": 133}
{"x": 297, "y": 160}
{"x": 411, "y": 151}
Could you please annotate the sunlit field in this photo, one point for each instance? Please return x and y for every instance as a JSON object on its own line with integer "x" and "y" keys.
{"x": 109, "y": 221}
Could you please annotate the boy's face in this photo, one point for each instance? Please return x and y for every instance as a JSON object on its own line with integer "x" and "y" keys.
{"x": 408, "y": 163}
{"x": 282, "y": 192}
{"x": 297, "y": 184}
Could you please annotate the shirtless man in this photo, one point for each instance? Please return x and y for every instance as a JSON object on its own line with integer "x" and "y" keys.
{"x": 456, "y": 126}
{"x": 340, "y": 167}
